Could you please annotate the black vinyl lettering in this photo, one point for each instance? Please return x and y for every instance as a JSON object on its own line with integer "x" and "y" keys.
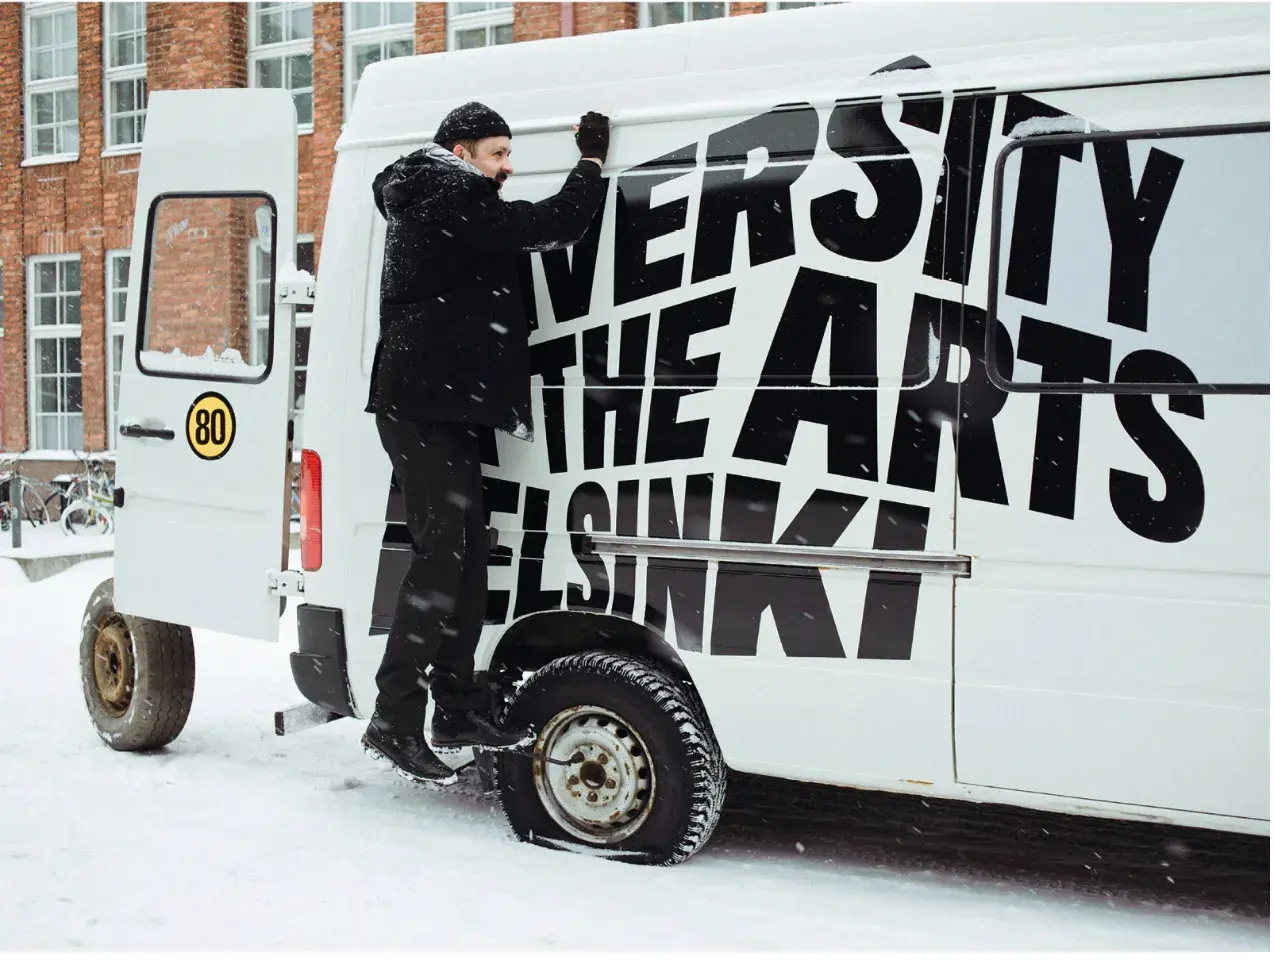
{"x": 889, "y": 608}
{"x": 637, "y": 223}
{"x": 1035, "y": 211}
{"x": 588, "y": 501}
{"x": 1065, "y": 356}
{"x": 549, "y": 359}
{"x": 1177, "y": 516}
{"x": 676, "y": 376}
{"x": 948, "y": 255}
{"x": 913, "y": 458}
{"x": 498, "y": 496}
{"x": 626, "y": 566}
{"x": 787, "y": 393}
{"x": 857, "y": 131}
{"x": 570, "y": 281}
{"x": 531, "y": 598}
{"x": 621, "y": 395}
{"x": 788, "y": 134}
{"x": 1134, "y": 223}
{"x": 795, "y": 596}
{"x": 678, "y": 587}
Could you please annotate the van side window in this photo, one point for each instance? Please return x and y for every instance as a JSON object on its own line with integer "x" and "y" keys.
{"x": 1134, "y": 261}
{"x": 207, "y": 285}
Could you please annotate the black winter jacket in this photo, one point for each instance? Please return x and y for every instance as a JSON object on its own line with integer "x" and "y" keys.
{"x": 453, "y": 334}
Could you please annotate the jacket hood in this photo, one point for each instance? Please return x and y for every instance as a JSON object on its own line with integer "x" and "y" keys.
{"x": 432, "y": 183}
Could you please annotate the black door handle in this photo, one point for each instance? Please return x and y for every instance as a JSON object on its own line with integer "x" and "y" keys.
{"x": 133, "y": 430}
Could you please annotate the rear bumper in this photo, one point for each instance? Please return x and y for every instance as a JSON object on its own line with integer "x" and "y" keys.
{"x": 319, "y": 665}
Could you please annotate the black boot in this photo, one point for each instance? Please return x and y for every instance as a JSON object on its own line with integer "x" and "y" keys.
{"x": 453, "y": 730}
{"x": 408, "y": 752}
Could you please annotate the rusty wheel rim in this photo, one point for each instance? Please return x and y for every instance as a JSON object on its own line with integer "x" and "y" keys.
{"x": 113, "y": 666}
{"x": 600, "y": 787}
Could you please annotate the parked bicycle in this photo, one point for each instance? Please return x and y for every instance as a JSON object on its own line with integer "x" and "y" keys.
{"x": 90, "y": 507}
{"x": 41, "y": 500}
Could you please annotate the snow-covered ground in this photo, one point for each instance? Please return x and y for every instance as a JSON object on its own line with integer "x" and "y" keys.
{"x": 49, "y": 540}
{"x": 234, "y": 839}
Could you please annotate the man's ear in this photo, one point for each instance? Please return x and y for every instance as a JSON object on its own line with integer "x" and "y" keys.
{"x": 458, "y": 150}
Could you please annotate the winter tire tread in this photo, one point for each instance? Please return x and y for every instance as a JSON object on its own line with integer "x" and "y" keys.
{"x": 164, "y": 656}
{"x": 706, "y": 770}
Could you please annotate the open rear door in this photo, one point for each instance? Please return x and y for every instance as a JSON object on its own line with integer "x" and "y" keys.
{"x": 205, "y": 385}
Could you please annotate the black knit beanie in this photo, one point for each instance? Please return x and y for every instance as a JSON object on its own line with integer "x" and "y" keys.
{"x": 473, "y": 121}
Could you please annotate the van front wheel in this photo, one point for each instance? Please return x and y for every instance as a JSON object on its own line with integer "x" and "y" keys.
{"x": 138, "y": 675}
{"x": 624, "y": 763}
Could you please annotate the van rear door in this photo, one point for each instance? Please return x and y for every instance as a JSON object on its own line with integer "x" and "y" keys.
{"x": 203, "y": 459}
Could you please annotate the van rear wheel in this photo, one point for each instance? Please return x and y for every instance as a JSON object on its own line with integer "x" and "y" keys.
{"x": 624, "y": 762}
{"x": 138, "y": 675}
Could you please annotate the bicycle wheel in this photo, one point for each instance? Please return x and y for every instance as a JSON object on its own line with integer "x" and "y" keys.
{"x": 82, "y": 518}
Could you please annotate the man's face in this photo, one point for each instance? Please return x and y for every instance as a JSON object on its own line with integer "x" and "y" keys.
{"x": 491, "y": 156}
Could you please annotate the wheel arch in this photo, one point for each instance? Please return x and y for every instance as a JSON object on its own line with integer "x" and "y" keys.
{"x": 539, "y": 638}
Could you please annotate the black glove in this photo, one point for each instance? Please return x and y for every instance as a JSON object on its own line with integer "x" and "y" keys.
{"x": 593, "y": 135}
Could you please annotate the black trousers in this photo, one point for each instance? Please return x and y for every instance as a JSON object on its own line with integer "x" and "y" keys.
{"x": 438, "y": 618}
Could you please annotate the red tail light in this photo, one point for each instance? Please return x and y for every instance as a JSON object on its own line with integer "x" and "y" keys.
{"x": 311, "y": 493}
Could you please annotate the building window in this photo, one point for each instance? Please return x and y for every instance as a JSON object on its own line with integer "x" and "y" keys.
{"x": 472, "y": 25}
{"x": 301, "y": 358}
{"x": 117, "y": 262}
{"x": 374, "y": 32}
{"x": 659, "y": 14}
{"x": 53, "y": 100}
{"x": 125, "y": 64}
{"x": 53, "y": 318}
{"x": 281, "y": 53}
{"x": 783, "y": 5}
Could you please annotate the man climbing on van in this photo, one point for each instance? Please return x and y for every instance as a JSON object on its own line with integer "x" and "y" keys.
{"x": 452, "y": 361}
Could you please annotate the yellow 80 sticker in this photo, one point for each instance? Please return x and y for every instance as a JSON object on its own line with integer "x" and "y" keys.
{"x": 210, "y": 426}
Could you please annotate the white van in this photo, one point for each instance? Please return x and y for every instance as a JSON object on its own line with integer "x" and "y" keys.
{"x": 902, "y": 422}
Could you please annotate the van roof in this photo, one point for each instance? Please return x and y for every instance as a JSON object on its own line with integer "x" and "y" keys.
{"x": 634, "y": 75}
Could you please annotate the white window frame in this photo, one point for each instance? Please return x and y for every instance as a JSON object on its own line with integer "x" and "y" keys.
{"x": 382, "y": 35}
{"x": 34, "y": 88}
{"x": 116, "y": 325}
{"x": 257, "y": 322}
{"x": 112, "y": 74}
{"x": 643, "y": 15}
{"x": 481, "y": 19}
{"x": 59, "y": 331}
{"x": 258, "y": 51}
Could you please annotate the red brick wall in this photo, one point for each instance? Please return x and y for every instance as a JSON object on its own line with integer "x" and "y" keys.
{"x": 536, "y": 21}
{"x": 199, "y": 275}
{"x": 747, "y": 7}
{"x": 431, "y": 27}
{"x": 601, "y": 17}
{"x": 13, "y": 346}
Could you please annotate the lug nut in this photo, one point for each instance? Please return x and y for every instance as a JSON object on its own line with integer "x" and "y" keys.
{"x": 610, "y": 784}
{"x": 603, "y": 759}
{"x": 592, "y": 798}
{"x": 573, "y": 781}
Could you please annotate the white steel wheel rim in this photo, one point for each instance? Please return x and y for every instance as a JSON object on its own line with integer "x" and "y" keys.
{"x": 602, "y": 788}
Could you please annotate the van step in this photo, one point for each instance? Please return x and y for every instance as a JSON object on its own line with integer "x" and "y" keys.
{"x": 301, "y": 717}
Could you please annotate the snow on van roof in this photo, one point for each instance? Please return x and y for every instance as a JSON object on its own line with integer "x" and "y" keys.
{"x": 633, "y": 74}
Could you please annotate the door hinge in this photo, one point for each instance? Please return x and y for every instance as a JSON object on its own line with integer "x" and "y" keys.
{"x": 286, "y": 583}
{"x": 299, "y": 292}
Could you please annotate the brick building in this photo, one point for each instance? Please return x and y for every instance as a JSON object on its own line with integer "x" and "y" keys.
{"x": 73, "y": 85}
